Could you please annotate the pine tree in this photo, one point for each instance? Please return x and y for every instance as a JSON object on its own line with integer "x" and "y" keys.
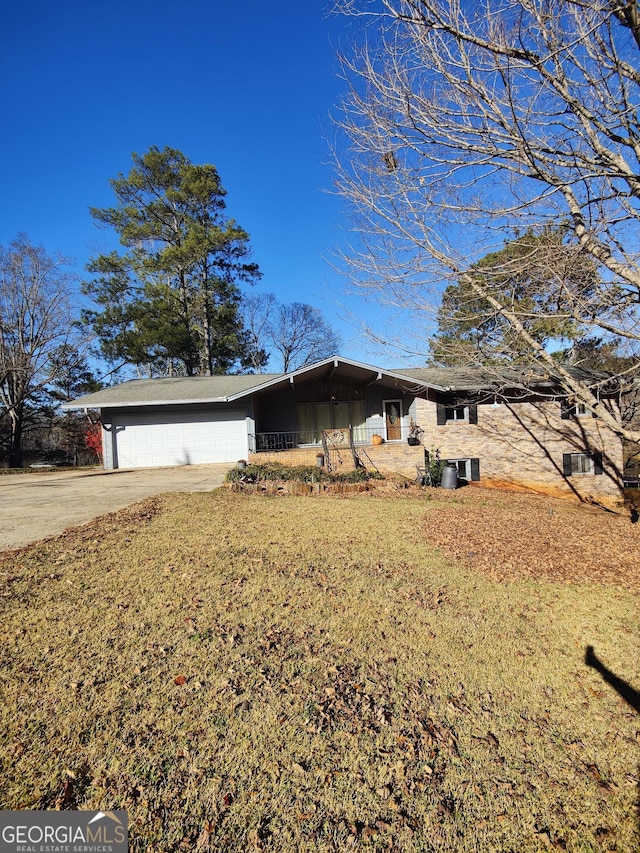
{"x": 535, "y": 275}
{"x": 170, "y": 301}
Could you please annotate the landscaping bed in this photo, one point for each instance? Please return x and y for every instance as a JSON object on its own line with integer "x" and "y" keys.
{"x": 511, "y": 535}
{"x": 276, "y": 479}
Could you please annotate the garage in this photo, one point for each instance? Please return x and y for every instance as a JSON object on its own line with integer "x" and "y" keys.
{"x": 145, "y": 440}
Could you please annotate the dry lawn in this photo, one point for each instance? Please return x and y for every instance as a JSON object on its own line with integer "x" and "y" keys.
{"x": 314, "y": 674}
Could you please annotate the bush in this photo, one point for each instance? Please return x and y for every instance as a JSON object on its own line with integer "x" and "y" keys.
{"x": 357, "y": 475}
{"x": 434, "y": 466}
{"x": 301, "y": 473}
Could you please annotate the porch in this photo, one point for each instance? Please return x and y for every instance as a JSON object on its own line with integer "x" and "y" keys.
{"x": 284, "y": 440}
{"x": 303, "y": 448}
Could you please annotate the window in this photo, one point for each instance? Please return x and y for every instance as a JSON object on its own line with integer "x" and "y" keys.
{"x": 456, "y": 413}
{"x": 569, "y": 409}
{"x": 468, "y": 469}
{"x": 464, "y": 468}
{"x": 460, "y": 414}
{"x": 314, "y": 417}
{"x": 581, "y": 463}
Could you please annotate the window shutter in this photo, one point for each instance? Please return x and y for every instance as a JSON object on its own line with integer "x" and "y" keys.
{"x": 442, "y": 414}
{"x": 475, "y": 470}
{"x": 597, "y": 463}
{"x": 473, "y": 414}
{"x": 565, "y": 414}
{"x": 566, "y": 464}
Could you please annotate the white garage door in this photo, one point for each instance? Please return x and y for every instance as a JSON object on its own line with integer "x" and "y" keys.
{"x": 147, "y": 441}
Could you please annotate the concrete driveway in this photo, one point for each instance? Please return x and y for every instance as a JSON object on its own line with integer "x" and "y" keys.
{"x": 34, "y": 506}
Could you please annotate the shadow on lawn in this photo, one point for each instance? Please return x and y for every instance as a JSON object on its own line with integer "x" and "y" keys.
{"x": 623, "y": 688}
{"x": 630, "y": 695}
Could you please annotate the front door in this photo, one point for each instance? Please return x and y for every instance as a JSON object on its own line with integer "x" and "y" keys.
{"x": 393, "y": 419}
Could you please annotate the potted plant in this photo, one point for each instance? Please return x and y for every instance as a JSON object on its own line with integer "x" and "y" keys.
{"x": 414, "y": 433}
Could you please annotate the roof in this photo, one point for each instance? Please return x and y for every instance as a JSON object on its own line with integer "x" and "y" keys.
{"x": 485, "y": 378}
{"x": 223, "y": 389}
{"x": 173, "y": 390}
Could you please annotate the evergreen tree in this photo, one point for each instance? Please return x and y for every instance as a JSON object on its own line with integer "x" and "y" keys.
{"x": 72, "y": 376}
{"x": 170, "y": 301}
{"x": 537, "y": 276}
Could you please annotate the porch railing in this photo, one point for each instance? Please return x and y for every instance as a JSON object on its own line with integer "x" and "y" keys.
{"x": 269, "y": 442}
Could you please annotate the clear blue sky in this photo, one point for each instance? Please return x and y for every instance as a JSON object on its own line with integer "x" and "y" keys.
{"x": 248, "y": 87}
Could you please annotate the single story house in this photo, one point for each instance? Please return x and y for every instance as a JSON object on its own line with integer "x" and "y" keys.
{"x": 507, "y": 427}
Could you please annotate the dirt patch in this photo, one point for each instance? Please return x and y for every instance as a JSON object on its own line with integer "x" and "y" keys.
{"x": 511, "y": 535}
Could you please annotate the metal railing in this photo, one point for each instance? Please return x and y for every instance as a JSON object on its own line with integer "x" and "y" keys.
{"x": 269, "y": 442}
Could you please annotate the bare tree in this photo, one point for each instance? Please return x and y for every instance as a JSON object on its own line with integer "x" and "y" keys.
{"x": 465, "y": 122}
{"x": 296, "y": 333}
{"x": 257, "y": 312}
{"x": 36, "y": 319}
{"x": 300, "y": 335}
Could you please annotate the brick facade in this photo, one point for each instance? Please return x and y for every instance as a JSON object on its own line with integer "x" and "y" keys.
{"x": 519, "y": 444}
{"x": 523, "y": 444}
{"x": 388, "y": 458}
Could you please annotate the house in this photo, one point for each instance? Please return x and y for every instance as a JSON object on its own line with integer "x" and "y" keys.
{"x": 509, "y": 427}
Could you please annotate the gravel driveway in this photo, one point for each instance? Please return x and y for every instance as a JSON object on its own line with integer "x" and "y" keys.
{"x": 34, "y": 506}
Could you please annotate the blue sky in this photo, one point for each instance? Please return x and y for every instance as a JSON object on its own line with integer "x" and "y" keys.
{"x": 248, "y": 87}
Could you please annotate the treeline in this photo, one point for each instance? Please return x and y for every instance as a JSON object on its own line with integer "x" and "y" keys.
{"x": 173, "y": 299}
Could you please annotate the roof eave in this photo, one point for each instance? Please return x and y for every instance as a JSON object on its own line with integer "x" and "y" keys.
{"x": 79, "y": 405}
{"x": 336, "y": 360}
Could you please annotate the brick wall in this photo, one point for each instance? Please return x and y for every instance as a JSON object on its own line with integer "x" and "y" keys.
{"x": 396, "y": 457}
{"x": 388, "y": 458}
{"x": 523, "y": 444}
{"x": 518, "y": 444}
{"x": 298, "y": 456}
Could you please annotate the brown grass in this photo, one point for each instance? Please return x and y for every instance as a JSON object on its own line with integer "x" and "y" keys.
{"x": 283, "y": 674}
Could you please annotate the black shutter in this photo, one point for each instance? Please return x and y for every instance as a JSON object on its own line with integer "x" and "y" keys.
{"x": 565, "y": 413}
{"x": 597, "y": 463}
{"x": 566, "y": 464}
{"x": 442, "y": 414}
{"x": 475, "y": 469}
{"x": 473, "y": 414}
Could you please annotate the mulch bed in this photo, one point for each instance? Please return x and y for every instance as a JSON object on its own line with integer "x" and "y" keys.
{"x": 515, "y": 535}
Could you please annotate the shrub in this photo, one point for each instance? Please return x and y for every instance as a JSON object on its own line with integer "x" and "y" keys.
{"x": 434, "y": 465}
{"x": 302, "y": 473}
{"x": 93, "y": 440}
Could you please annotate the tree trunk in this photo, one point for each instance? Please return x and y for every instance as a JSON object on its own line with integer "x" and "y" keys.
{"x": 207, "y": 356}
{"x": 15, "y": 447}
{"x": 191, "y": 359}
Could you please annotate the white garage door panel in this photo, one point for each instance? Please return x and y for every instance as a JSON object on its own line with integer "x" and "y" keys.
{"x": 187, "y": 439}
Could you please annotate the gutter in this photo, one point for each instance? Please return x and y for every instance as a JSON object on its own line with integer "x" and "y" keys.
{"x": 129, "y": 404}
